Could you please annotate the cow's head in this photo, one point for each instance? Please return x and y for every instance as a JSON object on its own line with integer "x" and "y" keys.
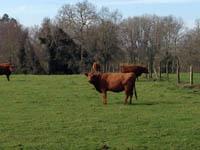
{"x": 11, "y": 68}
{"x": 92, "y": 77}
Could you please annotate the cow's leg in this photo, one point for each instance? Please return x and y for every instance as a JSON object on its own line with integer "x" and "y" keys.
{"x": 135, "y": 93}
{"x": 134, "y": 88}
{"x": 104, "y": 94}
{"x": 127, "y": 95}
{"x": 8, "y": 77}
{"x": 126, "y": 98}
{"x": 129, "y": 91}
{"x": 131, "y": 95}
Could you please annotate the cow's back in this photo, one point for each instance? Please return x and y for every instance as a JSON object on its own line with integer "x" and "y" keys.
{"x": 137, "y": 69}
{"x": 128, "y": 69}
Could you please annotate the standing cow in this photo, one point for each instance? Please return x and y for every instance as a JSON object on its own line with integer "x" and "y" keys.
{"x": 6, "y": 69}
{"x": 115, "y": 82}
{"x": 137, "y": 69}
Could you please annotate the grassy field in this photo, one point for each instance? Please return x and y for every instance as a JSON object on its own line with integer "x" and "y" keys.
{"x": 65, "y": 112}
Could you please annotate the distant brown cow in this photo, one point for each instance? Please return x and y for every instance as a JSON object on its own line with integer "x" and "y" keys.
{"x": 6, "y": 69}
{"x": 95, "y": 67}
{"x": 115, "y": 82}
{"x": 137, "y": 69}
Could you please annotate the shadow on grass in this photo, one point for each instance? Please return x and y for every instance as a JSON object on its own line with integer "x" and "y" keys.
{"x": 134, "y": 103}
{"x": 156, "y": 103}
{"x": 137, "y": 103}
{"x": 145, "y": 103}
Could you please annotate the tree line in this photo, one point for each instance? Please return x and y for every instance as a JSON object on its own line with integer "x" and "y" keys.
{"x": 80, "y": 34}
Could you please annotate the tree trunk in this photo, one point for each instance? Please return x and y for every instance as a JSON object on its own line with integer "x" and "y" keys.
{"x": 191, "y": 75}
{"x": 156, "y": 74}
{"x": 150, "y": 70}
{"x": 160, "y": 71}
{"x": 167, "y": 70}
{"x": 178, "y": 72}
{"x": 82, "y": 66}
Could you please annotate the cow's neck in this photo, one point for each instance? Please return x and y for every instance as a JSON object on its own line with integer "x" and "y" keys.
{"x": 97, "y": 85}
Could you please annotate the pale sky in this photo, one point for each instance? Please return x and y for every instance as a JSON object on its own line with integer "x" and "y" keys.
{"x": 32, "y": 12}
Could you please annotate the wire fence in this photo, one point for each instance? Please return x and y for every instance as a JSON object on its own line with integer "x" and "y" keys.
{"x": 183, "y": 74}
{"x": 190, "y": 74}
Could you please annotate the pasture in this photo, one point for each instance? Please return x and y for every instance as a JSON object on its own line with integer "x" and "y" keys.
{"x": 66, "y": 112}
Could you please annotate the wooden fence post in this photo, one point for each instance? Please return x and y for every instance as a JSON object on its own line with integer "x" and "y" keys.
{"x": 191, "y": 75}
{"x": 160, "y": 71}
{"x": 178, "y": 72}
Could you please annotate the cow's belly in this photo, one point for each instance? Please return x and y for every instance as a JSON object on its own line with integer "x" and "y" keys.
{"x": 116, "y": 87}
{"x": 2, "y": 72}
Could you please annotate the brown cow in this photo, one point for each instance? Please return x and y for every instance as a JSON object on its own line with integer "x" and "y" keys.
{"x": 137, "y": 69}
{"x": 115, "y": 82}
{"x": 96, "y": 67}
{"x": 6, "y": 69}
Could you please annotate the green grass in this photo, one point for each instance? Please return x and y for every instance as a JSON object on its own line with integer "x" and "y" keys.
{"x": 65, "y": 112}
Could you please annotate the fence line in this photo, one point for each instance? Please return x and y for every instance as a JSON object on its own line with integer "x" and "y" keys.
{"x": 178, "y": 72}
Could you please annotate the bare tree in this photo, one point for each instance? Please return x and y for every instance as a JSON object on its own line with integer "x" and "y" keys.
{"x": 189, "y": 52}
{"x": 75, "y": 20}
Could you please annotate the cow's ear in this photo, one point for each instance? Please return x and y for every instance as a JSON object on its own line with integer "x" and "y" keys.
{"x": 86, "y": 74}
